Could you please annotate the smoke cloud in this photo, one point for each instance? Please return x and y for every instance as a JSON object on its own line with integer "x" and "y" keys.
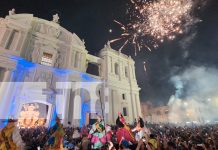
{"x": 187, "y": 40}
{"x": 196, "y": 96}
{"x": 190, "y": 30}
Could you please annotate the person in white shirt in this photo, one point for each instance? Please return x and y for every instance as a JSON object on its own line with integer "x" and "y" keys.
{"x": 139, "y": 129}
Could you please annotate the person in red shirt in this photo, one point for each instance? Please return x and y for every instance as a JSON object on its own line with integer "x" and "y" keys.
{"x": 123, "y": 132}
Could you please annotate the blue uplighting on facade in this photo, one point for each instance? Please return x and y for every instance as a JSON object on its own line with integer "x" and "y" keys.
{"x": 86, "y": 77}
{"x": 18, "y": 76}
{"x": 22, "y": 62}
{"x": 53, "y": 117}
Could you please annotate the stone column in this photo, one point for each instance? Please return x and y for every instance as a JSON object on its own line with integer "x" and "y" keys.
{"x": 120, "y": 70}
{"x": 139, "y": 112}
{"x": 134, "y": 106}
{"x": 5, "y": 102}
{"x": 18, "y": 40}
{"x": 62, "y": 101}
{"x": 105, "y": 68}
{"x": 79, "y": 61}
{"x": 112, "y": 64}
{"x": 111, "y": 107}
{"x": 75, "y": 120}
{"x": 115, "y": 105}
{"x": 67, "y": 104}
{"x": 73, "y": 59}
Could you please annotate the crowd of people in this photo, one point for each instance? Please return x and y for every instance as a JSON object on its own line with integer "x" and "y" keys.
{"x": 140, "y": 136}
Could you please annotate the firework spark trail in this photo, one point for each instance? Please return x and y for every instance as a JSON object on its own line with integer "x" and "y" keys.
{"x": 123, "y": 45}
{"x": 158, "y": 21}
{"x": 148, "y": 48}
{"x": 119, "y": 23}
{"x": 139, "y": 47}
{"x": 114, "y": 40}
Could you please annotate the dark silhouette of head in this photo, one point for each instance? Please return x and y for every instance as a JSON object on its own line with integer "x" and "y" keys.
{"x": 141, "y": 122}
{"x": 119, "y": 123}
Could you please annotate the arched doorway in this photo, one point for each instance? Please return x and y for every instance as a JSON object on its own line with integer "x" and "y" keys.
{"x": 79, "y": 106}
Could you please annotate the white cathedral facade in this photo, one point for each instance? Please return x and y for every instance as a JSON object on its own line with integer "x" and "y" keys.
{"x": 35, "y": 52}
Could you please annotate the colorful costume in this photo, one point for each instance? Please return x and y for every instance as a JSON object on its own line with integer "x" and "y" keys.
{"x": 10, "y": 138}
{"x": 123, "y": 132}
{"x": 84, "y": 131}
{"x": 56, "y": 138}
{"x": 99, "y": 135}
{"x": 153, "y": 142}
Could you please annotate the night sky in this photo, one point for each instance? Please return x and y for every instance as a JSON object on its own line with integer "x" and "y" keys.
{"x": 92, "y": 19}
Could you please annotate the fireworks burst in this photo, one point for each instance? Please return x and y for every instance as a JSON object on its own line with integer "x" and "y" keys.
{"x": 153, "y": 22}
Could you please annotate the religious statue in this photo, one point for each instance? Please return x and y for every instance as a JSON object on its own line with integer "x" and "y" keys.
{"x": 11, "y": 12}
{"x": 29, "y": 116}
{"x": 83, "y": 41}
{"x": 108, "y": 45}
{"x": 56, "y": 18}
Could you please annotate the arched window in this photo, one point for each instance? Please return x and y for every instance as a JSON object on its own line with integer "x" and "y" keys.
{"x": 46, "y": 59}
{"x": 93, "y": 69}
{"x": 124, "y": 96}
{"x": 12, "y": 40}
{"x": 2, "y": 72}
{"x": 125, "y": 113}
{"x": 116, "y": 68}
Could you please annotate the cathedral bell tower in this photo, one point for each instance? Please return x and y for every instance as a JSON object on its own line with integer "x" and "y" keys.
{"x": 118, "y": 71}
